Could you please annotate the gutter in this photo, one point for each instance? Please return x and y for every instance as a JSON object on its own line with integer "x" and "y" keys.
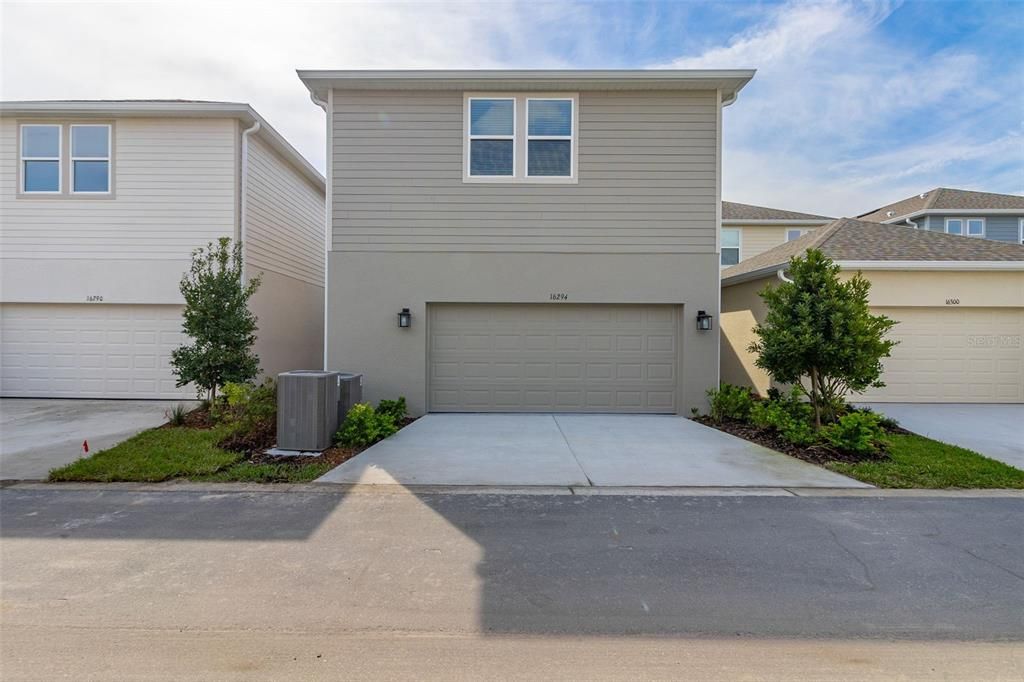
{"x": 244, "y": 190}
{"x": 955, "y": 212}
{"x": 775, "y": 221}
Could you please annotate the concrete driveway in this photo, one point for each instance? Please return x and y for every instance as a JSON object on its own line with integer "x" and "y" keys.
{"x": 575, "y": 450}
{"x": 37, "y": 435}
{"x": 994, "y": 430}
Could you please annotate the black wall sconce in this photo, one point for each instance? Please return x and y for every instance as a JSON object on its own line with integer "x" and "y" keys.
{"x": 405, "y": 318}
{"x": 703, "y": 321}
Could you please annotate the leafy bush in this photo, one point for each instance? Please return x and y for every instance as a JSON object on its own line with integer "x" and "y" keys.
{"x": 176, "y": 415}
{"x": 396, "y": 408}
{"x": 244, "y": 406}
{"x": 365, "y": 426}
{"x": 788, "y": 415}
{"x": 730, "y": 402}
{"x": 857, "y": 432}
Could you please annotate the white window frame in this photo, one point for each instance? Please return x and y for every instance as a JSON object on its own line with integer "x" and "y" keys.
{"x": 963, "y": 225}
{"x": 59, "y": 158}
{"x": 964, "y": 230}
{"x": 108, "y": 158}
{"x": 967, "y": 228}
{"x": 468, "y": 174}
{"x": 571, "y": 137}
{"x": 1020, "y": 231}
{"x": 738, "y": 247}
{"x": 801, "y": 230}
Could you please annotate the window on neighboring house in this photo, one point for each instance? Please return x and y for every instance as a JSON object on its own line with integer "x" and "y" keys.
{"x": 90, "y": 158}
{"x": 1020, "y": 230}
{"x": 794, "y": 233}
{"x": 492, "y": 137}
{"x": 972, "y": 227}
{"x": 730, "y": 247}
{"x": 40, "y": 158}
{"x": 549, "y": 138}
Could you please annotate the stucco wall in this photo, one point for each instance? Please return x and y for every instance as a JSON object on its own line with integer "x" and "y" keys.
{"x": 368, "y": 290}
{"x": 291, "y": 324}
{"x": 742, "y": 308}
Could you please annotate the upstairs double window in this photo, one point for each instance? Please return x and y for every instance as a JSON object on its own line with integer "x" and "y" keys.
{"x": 44, "y": 147}
{"x": 520, "y": 138}
{"x": 971, "y": 227}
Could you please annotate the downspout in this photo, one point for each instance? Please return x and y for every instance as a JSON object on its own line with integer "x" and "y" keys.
{"x": 781, "y": 274}
{"x": 243, "y": 189}
{"x": 912, "y": 223}
{"x": 326, "y": 106}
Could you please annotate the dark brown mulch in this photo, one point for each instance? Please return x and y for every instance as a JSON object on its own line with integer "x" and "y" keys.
{"x": 198, "y": 418}
{"x": 257, "y": 439}
{"x": 815, "y": 454}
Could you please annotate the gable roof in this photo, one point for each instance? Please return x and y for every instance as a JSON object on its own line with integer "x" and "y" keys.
{"x": 944, "y": 199}
{"x": 172, "y": 108}
{"x": 734, "y": 212}
{"x": 847, "y": 239}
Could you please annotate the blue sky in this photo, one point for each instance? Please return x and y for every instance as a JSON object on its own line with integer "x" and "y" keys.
{"x": 855, "y": 103}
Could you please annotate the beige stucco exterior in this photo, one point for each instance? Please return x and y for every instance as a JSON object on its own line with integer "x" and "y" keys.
{"x": 960, "y": 333}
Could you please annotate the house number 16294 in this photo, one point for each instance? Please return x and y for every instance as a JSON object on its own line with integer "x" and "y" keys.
{"x": 558, "y": 296}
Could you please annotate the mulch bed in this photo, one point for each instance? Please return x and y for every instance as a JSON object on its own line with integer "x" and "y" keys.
{"x": 815, "y": 454}
{"x": 198, "y": 418}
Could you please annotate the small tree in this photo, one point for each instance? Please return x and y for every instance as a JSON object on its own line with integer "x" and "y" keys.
{"x": 820, "y": 330}
{"x": 218, "y": 320}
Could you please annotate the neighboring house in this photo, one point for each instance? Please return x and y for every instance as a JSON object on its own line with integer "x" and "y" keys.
{"x": 102, "y": 203}
{"x": 958, "y": 211}
{"x": 748, "y": 230}
{"x": 552, "y": 234}
{"x": 959, "y": 303}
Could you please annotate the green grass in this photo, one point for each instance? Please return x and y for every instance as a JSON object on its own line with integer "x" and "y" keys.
{"x": 919, "y": 462}
{"x": 182, "y": 453}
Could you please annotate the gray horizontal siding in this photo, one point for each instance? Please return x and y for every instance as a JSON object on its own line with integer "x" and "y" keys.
{"x": 1001, "y": 228}
{"x": 647, "y": 164}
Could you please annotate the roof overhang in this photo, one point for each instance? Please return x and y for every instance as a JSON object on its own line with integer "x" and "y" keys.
{"x": 728, "y": 81}
{"x": 881, "y": 265}
{"x": 775, "y": 221}
{"x": 955, "y": 212}
{"x": 172, "y": 109}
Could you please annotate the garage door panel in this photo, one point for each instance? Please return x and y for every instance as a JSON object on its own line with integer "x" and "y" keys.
{"x": 573, "y": 358}
{"x": 954, "y": 355}
{"x": 79, "y": 351}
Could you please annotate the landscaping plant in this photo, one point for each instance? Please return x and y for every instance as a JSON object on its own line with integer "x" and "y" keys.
{"x": 396, "y": 408}
{"x": 788, "y": 415}
{"x": 176, "y": 415}
{"x": 365, "y": 426}
{"x": 250, "y": 414}
{"x": 859, "y": 432}
{"x": 730, "y": 402}
{"x": 819, "y": 333}
{"x": 218, "y": 320}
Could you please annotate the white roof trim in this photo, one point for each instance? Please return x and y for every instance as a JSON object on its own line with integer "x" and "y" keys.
{"x": 954, "y": 212}
{"x": 729, "y": 81}
{"x": 963, "y": 265}
{"x": 777, "y": 221}
{"x": 170, "y": 108}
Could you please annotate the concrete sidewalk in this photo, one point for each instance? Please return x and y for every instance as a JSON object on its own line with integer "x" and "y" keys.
{"x": 575, "y": 451}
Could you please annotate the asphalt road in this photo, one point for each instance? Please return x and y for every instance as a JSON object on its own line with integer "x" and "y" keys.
{"x": 105, "y": 584}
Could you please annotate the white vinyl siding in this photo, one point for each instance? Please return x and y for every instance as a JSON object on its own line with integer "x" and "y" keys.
{"x": 646, "y": 178}
{"x": 284, "y": 217}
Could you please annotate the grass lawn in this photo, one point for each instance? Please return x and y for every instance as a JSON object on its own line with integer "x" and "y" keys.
{"x": 919, "y": 462}
{"x": 184, "y": 453}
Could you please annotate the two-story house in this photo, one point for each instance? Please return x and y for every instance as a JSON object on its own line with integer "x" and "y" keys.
{"x": 957, "y": 211}
{"x": 748, "y": 230}
{"x": 101, "y": 205}
{"x": 516, "y": 241}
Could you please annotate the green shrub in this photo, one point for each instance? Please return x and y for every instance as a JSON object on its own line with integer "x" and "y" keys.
{"x": 365, "y": 426}
{"x": 730, "y": 402}
{"x": 396, "y": 408}
{"x": 788, "y": 415}
{"x": 246, "y": 406}
{"x": 857, "y": 432}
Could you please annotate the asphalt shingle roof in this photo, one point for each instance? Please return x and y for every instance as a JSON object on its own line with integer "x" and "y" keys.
{"x": 944, "y": 198}
{"x": 859, "y": 240}
{"x": 733, "y": 211}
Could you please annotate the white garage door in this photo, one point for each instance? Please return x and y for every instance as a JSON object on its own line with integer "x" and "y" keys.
{"x": 950, "y": 355}
{"x": 89, "y": 351}
{"x": 557, "y": 357}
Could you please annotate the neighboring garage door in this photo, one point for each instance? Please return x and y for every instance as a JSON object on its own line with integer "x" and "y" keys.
{"x": 89, "y": 351}
{"x": 954, "y": 355}
{"x": 556, "y": 357}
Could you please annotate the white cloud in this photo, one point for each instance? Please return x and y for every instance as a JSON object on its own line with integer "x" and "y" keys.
{"x": 247, "y": 51}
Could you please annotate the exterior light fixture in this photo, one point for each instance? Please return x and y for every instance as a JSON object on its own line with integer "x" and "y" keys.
{"x": 703, "y": 321}
{"x": 404, "y": 318}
